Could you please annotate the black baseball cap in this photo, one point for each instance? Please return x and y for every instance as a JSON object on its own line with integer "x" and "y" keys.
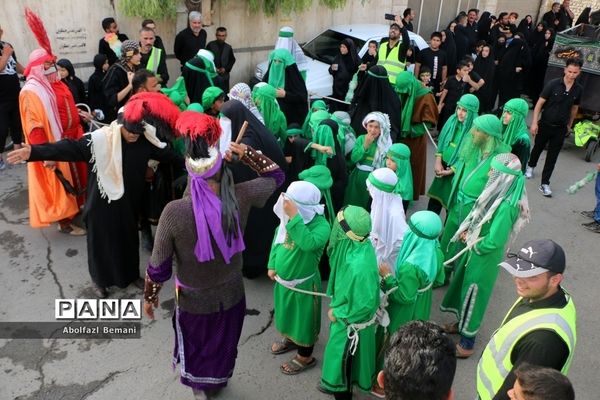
{"x": 534, "y": 258}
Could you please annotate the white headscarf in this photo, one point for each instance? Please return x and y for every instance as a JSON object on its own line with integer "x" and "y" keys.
{"x": 384, "y": 141}
{"x": 306, "y": 197}
{"x": 209, "y": 56}
{"x": 387, "y": 215}
{"x": 286, "y": 41}
{"x": 241, "y": 92}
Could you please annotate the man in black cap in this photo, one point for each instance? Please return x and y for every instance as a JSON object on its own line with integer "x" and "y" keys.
{"x": 539, "y": 329}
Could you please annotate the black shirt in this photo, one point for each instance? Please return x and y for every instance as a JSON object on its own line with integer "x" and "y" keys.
{"x": 540, "y": 347}
{"x": 435, "y": 60}
{"x": 187, "y": 44}
{"x": 557, "y": 108}
{"x": 9, "y": 80}
{"x": 456, "y": 88}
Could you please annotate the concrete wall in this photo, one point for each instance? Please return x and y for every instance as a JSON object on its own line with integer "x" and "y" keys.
{"x": 74, "y": 27}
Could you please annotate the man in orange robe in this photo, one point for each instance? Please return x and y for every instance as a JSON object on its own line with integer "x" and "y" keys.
{"x": 49, "y": 201}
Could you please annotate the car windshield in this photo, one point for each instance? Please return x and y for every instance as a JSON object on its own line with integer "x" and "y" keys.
{"x": 327, "y": 45}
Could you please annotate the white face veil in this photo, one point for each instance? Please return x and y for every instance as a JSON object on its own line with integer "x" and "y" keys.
{"x": 306, "y": 196}
{"x": 286, "y": 40}
{"x": 387, "y": 215}
{"x": 384, "y": 141}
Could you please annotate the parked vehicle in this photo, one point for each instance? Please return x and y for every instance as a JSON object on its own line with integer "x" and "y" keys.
{"x": 324, "y": 47}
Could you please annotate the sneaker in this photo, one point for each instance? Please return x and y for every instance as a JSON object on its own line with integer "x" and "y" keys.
{"x": 588, "y": 214}
{"x": 546, "y": 191}
{"x": 2, "y": 165}
{"x": 529, "y": 172}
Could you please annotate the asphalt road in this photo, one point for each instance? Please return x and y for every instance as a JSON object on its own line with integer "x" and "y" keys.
{"x": 39, "y": 265}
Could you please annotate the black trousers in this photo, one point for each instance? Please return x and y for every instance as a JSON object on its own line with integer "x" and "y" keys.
{"x": 10, "y": 120}
{"x": 554, "y": 137}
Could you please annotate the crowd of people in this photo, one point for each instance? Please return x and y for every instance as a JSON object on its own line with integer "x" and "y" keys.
{"x": 239, "y": 178}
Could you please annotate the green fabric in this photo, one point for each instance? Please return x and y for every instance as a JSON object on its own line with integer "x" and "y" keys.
{"x": 297, "y": 315}
{"x": 344, "y": 127}
{"x": 209, "y": 96}
{"x": 266, "y": 101}
{"x": 208, "y": 69}
{"x": 517, "y": 188}
{"x": 475, "y": 276}
{"x": 400, "y": 154}
{"x": 320, "y": 176}
{"x": 468, "y": 183}
{"x": 316, "y": 106}
{"x": 279, "y": 60}
{"x": 286, "y": 34}
{"x": 195, "y": 107}
{"x": 420, "y": 243}
{"x": 356, "y": 190}
{"x": 409, "y": 88}
{"x": 323, "y": 136}
{"x": 384, "y": 187}
{"x": 453, "y": 131}
{"x": 354, "y": 290}
{"x": 315, "y": 120}
{"x": 584, "y": 131}
{"x": 177, "y": 93}
{"x": 516, "y": 130}
{"x": 489, "y": 124}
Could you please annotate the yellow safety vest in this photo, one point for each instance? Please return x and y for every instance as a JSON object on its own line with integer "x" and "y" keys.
{"x": 154, "y": 60}
{"x": 495, "y": 363}
{"x": 390, "y": 61}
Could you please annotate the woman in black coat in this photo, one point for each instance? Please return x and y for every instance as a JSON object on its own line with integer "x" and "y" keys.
{"x": 540, "y": 54}
{"x": 67, "y": 75}
{"x": 343, "y": 68}
{"x": 96, "y": 98}
{"x": 485, "y": 66}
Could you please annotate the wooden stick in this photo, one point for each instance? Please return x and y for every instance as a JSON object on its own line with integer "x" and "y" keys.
{"x": 241, "y": 133}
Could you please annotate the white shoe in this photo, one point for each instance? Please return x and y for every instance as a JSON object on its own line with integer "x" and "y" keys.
{"x": 545, "y": 189}
{"x": 529, "y": 172}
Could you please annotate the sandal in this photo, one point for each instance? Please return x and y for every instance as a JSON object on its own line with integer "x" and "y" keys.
{"x": 295, "y": 366}
{"x": 72, "y": 230}
{"x": 283, "y": 346}
{"x": 377, "y": 391}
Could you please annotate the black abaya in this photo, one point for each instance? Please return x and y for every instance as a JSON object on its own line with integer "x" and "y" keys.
{"x": 486, "y": 68}
{"x": 295, "y": 103}
{"x": 195, "y": 82}
{"x": 112, "y": 237}
{"x": 261, "y": 221}
{"x": 376, "y": 94}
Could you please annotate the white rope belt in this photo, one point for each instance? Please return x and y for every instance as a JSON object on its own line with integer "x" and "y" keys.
{"x": 295, "y": 282}
{"x": 353, "y": 329}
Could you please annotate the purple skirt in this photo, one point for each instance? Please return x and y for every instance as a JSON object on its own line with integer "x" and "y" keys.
{"x": 206, "y": 345}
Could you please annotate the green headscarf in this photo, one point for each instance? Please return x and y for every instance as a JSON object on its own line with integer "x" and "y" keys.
{"x": 177, "y": 93}
{"x": 209, "y": 96}
{"x": 318, "y": 105}
{"x": 409, "y": 88}
{"x": 420, "y": 243}
{"x": 516, "y": 129}
{"x": 489, "y": 124}
{"x": 324, "y": 136}
{"x": 264, "y": 97}
{"x": 315, "y": 120}
{"x": 320, "y": 176}
{"x": 470, "y": 103}
{"x": 354, "y": 243}
{"x": 400, "y": 154}
{"x": 195, "y": 107}
{"x": 279, "y": 60}
{"x": 208, "y": 69}
{"x": 343, "y": 120}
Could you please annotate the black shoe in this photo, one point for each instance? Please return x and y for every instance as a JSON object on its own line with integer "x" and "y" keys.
{"x": 100, "y": 292}
{"x": 593, "y": 226}
{"x": 589, "y": 214}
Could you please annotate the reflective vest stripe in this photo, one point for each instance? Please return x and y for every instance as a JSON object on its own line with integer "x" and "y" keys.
{"x": 390, "y": 61}
{"x": 495, "y": 362}
{"x": 153, "y": 60}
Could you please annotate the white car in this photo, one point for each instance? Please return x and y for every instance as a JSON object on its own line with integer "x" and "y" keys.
{"x": 322, "y": 50}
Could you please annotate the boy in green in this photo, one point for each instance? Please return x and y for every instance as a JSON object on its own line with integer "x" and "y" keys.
{"x": 449, "y": 147}
{"x": 368, "y": 154}
{"x": 470, "y": 177}
{"x": 398, "y": 160}
{"x": 418, "y": 268}
{"x": 349, "y": 356}
{"x": 294, "y": 264}
{"x": 499, "y": 212}
{"x": 516, "y": 133}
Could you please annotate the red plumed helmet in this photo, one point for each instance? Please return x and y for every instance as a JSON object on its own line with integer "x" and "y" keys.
{"x": 194, "y": 124}
{"x": 37, "y": 27}
{"x": 151, "y": 105}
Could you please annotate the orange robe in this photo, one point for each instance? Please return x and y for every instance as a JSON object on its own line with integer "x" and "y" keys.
{"x": 48, "y": 200}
